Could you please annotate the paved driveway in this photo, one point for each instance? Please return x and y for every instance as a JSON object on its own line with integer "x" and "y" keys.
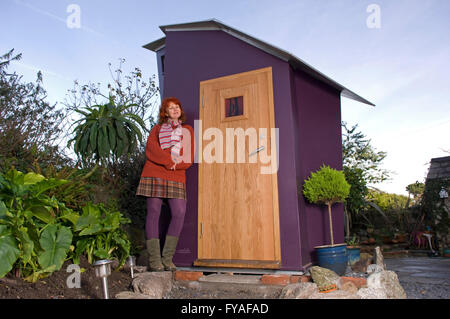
{"x": 422, "y": 277}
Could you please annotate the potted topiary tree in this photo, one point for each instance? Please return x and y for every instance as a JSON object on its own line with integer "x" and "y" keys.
{"x": 328, "y": 186}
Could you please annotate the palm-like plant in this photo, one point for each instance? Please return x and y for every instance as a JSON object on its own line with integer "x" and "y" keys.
{"x": 106, "y": 131}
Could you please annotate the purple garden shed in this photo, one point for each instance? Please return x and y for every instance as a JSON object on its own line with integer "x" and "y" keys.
{"x": 264, "y": 120}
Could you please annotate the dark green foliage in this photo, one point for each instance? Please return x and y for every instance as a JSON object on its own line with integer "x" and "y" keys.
{"x": 106, "y": 132}
{"x": 38, "y": 232}
{"x": 358, "y": 189}
{"x": 361, "y": 166}
{"x": 37, "y": 236}
{"x": 29, "y": 126}
{"x": 416, "y": 189}
{"x": 434, "y": 210}
{"x": 99, "y": 234}
{"x": 358, "y": 153}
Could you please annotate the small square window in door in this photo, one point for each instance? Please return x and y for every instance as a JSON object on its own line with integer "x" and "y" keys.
{"x": 234, "y": 106}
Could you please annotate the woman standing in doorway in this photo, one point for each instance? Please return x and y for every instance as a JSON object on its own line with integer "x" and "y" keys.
{"x": 169, "y": 152}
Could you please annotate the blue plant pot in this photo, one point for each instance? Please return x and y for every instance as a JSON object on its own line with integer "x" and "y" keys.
{"x": 353, "y": 254}
{"x": 333, "y": 257}
{"x": 447, "y": 252}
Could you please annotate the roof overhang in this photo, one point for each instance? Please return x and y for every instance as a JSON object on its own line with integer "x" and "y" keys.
{"x": 295, "y": 62}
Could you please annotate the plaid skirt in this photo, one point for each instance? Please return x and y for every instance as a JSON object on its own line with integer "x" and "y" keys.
{"x": 158, "y": 187}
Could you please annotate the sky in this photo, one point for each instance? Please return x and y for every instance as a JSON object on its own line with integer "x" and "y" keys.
{"x": 394, "y": 53}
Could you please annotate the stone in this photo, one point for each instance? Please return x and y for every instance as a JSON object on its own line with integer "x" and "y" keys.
{"x": 388, "y": 281}
{"x": 349, "y": 287}
{"x": 301, "y": 290}
{"x": 372, "y": 293}
{"x": 373, "y": 268}
{"x": 131, "y": 295}
{"x": 153, "y": 284}
{"x": 234, "y": 279}
{"x": 365, "y": 260}
{"x": 336, "y": 294}
{"x": 323, "y": 277}
{"x": 379, "y": 259}
{"x": 358, "y": 282}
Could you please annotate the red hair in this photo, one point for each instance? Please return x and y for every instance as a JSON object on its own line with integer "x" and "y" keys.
{"x": 163, "y": 110}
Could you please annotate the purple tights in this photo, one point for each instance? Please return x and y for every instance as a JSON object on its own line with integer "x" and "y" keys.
{"x": 177, "y": 211}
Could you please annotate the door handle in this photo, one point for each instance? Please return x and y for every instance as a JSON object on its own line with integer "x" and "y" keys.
{"x": 259, "y": 149}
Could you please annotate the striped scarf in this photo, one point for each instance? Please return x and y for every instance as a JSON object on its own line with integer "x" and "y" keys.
{"x": 170, "y": 136}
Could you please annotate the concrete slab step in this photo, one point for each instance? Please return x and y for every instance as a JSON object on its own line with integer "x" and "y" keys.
{"x": 223, "y": 290}
{"x": 236, "y": 279}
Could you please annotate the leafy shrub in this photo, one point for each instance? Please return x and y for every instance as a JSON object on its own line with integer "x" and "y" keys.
{"x": 326, "y": 186}
{"x": 30, "y": 127}
{"x": 76, "y": 191}
{"x": 38, "y": 232}
{"x": 33, "y": 225}
{"x": 98, "y": 234}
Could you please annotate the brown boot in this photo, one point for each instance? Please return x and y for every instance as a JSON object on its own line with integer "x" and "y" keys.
{"x": 154, "y": 252}
{"x": 168, "y": 251}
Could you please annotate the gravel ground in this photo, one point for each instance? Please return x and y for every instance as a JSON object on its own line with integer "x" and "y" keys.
{"x": 422, "y": 277}
{"x": 425, "y": 291}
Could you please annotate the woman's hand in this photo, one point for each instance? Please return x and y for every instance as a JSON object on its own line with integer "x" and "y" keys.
{"x": 177, "y": 160}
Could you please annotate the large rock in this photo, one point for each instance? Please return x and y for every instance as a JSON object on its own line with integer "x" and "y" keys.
{"x": 349, "y": 287}
{"x": 131, "y": 295}
{"x": 373, "y": 268}
{"x": 388, "y": 281}
{"x": 153, "y": 284}
{"x": 371, "y": 293}
{"x": 337, "y": 294}
{"x": 323, "y": 277}
{"x": 300, "y": 290}
{"x": 379, "y": 259}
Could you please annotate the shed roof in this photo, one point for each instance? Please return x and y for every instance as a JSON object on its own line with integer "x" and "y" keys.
{"x": 439, "y": 168}
{"x": 295, "y": 62}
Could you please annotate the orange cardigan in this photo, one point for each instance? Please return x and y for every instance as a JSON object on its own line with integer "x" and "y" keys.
{"x": 159, "y": 161}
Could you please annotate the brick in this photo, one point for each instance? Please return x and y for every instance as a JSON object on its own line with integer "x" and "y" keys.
{"x": 275, "y": 279}
{"x": 358, "y": 282}
{"x": 188, "y": 275}
{"x": 295, "y": 279}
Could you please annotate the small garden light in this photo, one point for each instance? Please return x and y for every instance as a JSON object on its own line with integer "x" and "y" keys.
{"x": 131, "y": 261}
{"x": 103, "y": 270}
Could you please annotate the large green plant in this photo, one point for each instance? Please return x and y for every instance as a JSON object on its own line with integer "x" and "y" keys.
{"x": 38, "y": 232}
{"x": 99, "y": 234}
{"x": 326, "y": 186}
{"x": 106, "y": 132}
{"x": 33, "y": 226}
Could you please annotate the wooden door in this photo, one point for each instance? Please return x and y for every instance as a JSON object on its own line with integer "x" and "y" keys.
{"x": 238, "y": 204}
